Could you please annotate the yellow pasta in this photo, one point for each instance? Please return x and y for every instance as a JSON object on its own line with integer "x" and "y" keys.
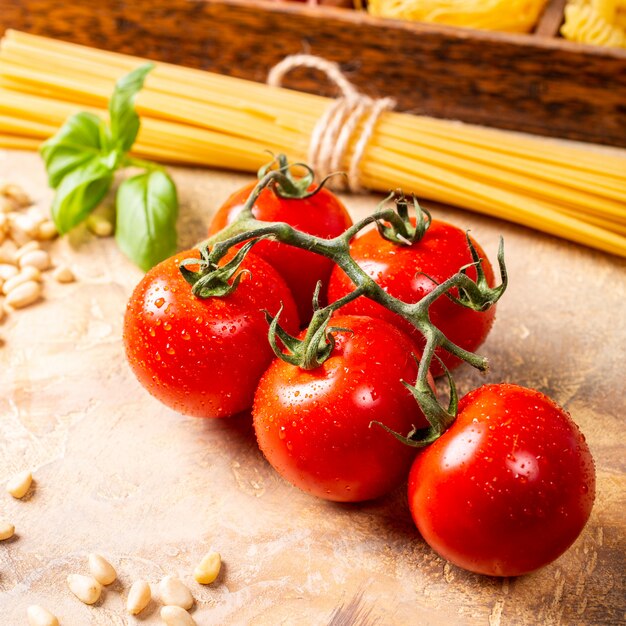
{"x": 599, "y": 22}
{"x": 195, "y": 117}
{"x": 506, "y": 15}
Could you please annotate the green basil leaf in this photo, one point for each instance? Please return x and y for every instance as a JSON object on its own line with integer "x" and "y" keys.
{"x": 124, "y": 118}
{"x": 77, "y": 142}
{"x": 80, "y": 191}
{"x": 147, "y": 209}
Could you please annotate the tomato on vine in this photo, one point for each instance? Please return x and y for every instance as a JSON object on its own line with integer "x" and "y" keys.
{"x": 201, "y": 350}
{"x": 410, "y": 269}
{"x": 314, "y": 425}
{"x": 508, "y": 487}
{"x": 310, "y": 208}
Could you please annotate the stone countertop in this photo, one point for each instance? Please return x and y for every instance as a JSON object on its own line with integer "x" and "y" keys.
{"x": 120, "y": 474}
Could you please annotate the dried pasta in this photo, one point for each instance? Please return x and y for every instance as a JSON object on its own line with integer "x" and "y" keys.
{"x": 195, "y": 117}
{"x": 506, "y": 15}
{"x": 598, "y": 22}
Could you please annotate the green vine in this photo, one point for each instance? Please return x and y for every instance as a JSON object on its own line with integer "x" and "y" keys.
{"x": 394, "y": 223}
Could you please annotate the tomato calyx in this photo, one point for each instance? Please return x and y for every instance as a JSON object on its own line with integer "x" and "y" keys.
{"x": 319, "y": 341}
{"x": 400, "y": 230}
{"x": 211, "y": 280}
{"x": 278, "y": 176}
{"x": 476, "y": 294}
{"x": 440, "y": 419}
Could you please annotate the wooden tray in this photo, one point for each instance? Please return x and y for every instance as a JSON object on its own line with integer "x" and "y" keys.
{"x": 532, "y": 83}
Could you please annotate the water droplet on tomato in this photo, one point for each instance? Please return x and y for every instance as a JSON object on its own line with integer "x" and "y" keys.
{"x": 159, "y": 302}
{"x": 169, "y": 349}
{"x": 167, "y": 326}
{"x": 281, "y": 433}
{"x": 152, "y": 332}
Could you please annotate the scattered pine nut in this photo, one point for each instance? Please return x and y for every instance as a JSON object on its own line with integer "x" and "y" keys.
{"x": 2, "y": 312}
{"x": 7, "y": 252}
{"x": 63, "y": 274}
{"x": 86, "y": 588}
{"x": 175, "y": 616}
{"x": 20, "y": 484}
{"x": 173, "y": 591}
{"x": 28, "y": 273}
{"x": 38, "y": 616}
{"x": 6, "y": 531}
{"x": 16, "y": 194}
{"x": 27, "y": 247}
{"x": 208, "y": 569}
{"x": 7, "y": 271}
{"x": 99, "y": 225}
{"x": 24, "y": 295}
{"x": 139, "y": 597}
{"x": 101, "y": 569}
{"x": 47, "y": 230}
{"x": 35, "y": 258}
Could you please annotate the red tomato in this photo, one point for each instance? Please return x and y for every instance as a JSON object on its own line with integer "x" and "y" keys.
{"x": 314, "y": 425}
{"x": 322, "y": 215}
{"x": 407, "y": 273}
{"x": 508, "y": 487}
{"x": 203, "y": 357}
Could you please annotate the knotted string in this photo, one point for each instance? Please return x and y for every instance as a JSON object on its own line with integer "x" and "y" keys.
{"x": 334, "y": 132}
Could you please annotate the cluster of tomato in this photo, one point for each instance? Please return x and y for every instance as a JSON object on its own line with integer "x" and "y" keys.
{"x": 505, "y": 490}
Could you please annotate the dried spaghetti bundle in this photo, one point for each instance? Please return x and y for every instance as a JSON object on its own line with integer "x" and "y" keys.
{"x": 195, "y": 117}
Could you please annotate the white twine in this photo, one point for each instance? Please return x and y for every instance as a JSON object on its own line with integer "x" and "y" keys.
{"x": 334, "y": 131}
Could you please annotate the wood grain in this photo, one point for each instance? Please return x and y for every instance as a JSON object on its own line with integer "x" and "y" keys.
{"x": 153, "y": 491}
{"x": 519, "y": 82}
{"x": 551, "y": 19}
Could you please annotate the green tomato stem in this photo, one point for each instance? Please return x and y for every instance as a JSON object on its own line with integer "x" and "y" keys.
{"x": 318, "y": 342}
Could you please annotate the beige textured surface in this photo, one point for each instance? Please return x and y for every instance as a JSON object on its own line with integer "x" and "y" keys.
{"x": 119, "y": 474}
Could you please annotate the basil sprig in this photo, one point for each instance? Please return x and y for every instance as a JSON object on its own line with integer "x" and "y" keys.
{"x": 81, "y": 161}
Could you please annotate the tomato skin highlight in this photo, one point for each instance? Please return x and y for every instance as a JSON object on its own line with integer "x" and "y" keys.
{"x": 313, "y": 426}
{"x": 203, "y": 357}
{"x": 405, "y": 272}
{"x": 508, "y": 487}
{"x": 322, "y": 215}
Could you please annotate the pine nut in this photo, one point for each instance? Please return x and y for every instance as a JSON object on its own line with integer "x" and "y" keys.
{"x": 28, "y": 273}
{"x": 24, "y": 295}
{"x": 24, "y": 223}
{"x": 208, "y": 569}
{"x": 4, "y": 222}
{"x": 47, "y": 230}
{"x": 7, "y": 205}
{"x": 85, "y": 588}
{"x": 38, "y": 616}
{"x": 6, "y": 530}
{"x": 35, "y": 258}
{"x": 139, "y": 597}
{"x": 175, "y": 616}
{"x": 173, "y": 591}
{"x": 8, "y": 271}
{"x": 17, "y": 194}
{"x": 7, "y": 253}
{"x": 2, "y": 312}
{"x": 101, "y": 569}
{"x": 99, "y": 225}
{"x": 27, "y": 247}
{"x": 63, "y": 274}
{"x": 20, "y": 484}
